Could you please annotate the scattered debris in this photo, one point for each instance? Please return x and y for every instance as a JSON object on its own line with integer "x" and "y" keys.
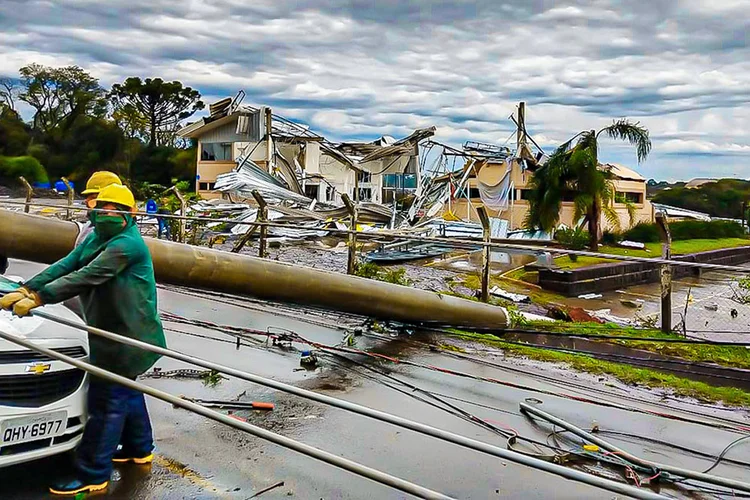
{"x": 266, "y": 490}
{"x": 580, "y": 315}
{"x": 607, "y": 316}
{"x": 231, "y": 405}
{"x": 182, "y": 373}
{"x": 633, "y": 244}
{"x": 514, "y": 297}
{"x": 633, "y": 304}
{"x": 590, "y": 296}
{"x": 308, "y": 360}
{"x": 712, "y": 307}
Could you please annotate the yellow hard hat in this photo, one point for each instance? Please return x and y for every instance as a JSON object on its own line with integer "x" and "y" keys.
{"x": 117, "y": 194}
{"x": 100, "y": 180}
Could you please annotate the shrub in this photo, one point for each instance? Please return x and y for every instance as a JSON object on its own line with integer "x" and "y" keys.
{"x": 696, "y": 229}
{"x": 574, "y": 239}
{"x": 611, "y": 238}
{"x": 642, "y": 232}
{"x": 686, "y": 230}
{"x": 372, "y": 271}
{"x": 11, "y": 167}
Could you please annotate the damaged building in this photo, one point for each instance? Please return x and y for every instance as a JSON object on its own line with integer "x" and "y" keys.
{"x": 237, "y": 138}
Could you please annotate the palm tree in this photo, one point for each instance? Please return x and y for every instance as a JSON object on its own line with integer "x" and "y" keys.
{"x": 573, "y": 173}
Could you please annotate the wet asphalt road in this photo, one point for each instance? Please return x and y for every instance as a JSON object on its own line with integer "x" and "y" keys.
{"x": 199, "y": 459}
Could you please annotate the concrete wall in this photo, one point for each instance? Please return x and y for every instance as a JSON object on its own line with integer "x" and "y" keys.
{"x": 605, "y": 277}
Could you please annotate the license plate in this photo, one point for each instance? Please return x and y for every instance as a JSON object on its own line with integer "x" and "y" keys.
{"x": 31, "y": 428}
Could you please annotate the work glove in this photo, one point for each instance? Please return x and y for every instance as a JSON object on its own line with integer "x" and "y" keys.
{"x": 9, "y": 299}
{"x": 24, "y": 306}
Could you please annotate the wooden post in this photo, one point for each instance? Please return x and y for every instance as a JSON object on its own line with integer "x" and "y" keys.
{"x": 352, "y": 209}
{"x": 486, "y": 237}
{"x": 261, "y": 217}
{"x": 71, "y": 195}
{"x": 183, "y": 212}
{"x": 665, "y": 273}
{"x": 269, "y": 145}
{"x": 29, "y": 193}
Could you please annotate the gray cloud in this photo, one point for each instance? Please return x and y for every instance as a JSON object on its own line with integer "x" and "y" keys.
{"x": 359, "y": 68}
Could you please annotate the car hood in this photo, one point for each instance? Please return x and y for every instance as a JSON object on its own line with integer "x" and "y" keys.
{"x": 38, "y": 328}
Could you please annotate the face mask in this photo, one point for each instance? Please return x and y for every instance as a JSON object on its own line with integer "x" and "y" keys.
{"x": 107, "y": 226}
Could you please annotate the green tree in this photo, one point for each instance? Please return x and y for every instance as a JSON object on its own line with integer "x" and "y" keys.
{"x": 163, "y": 105}
{"x": 573, "y": 172}
{"x": 14, "y": 134}
{"x": 8, "y": 92}
{"x": 60, "y": 96}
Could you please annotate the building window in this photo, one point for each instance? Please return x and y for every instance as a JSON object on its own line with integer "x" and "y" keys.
{"x": 330, "y": 193}
{"x": 364, "y": 176}
{"x": 525, "y": 194}
{"x": 473, "y": 193}
{"x": 365, "y": 194}
{"x": 400, "y": 181}
{"x": 627, "y": 197}
{"x": 216, "y": 151}
{"x": 311, "y": 191}
{"x": 206, "y": 186}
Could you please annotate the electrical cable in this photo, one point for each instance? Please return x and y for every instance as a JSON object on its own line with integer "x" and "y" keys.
{"x": 489, "y": 424}
{"x": 684, "y": 449}
{"x": 724, "y": 452}
{"x": 353, "y": 407}
{"x": 733, "y": 425}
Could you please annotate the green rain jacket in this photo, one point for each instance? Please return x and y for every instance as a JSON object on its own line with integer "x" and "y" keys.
{"x": 115, "y": 281}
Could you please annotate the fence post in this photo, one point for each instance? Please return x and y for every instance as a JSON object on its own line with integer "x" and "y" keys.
{"x": 70, "y": 194}
{"x": 665, "y": 272}
{"x": 486, "y": 236}
{"x": 29, "y": 193}
{"x": 352, "y": 209}
{"x": 261, "y": 217}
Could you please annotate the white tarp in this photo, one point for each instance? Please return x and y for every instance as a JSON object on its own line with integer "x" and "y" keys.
{"x": 496, "y": 197}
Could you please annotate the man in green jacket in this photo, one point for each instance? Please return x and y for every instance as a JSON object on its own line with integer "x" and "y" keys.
{"x": 112, "y": 273}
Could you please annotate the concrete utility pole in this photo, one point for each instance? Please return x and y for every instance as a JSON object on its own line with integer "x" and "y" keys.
{"x": 665, "y": 272}
{"x": 521, "y": 132}
{"x": 269, "y": 143}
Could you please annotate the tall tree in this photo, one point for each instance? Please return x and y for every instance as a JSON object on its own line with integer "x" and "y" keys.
{"x": 60, "y": 95}
{"x": 163, "y": 104}
{"x": 573, "y": 171}
{"x": 8, "y": 92}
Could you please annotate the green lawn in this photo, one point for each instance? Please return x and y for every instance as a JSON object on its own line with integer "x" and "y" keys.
{"x": 680, "y": 247}
{"x": 626, "y": 373}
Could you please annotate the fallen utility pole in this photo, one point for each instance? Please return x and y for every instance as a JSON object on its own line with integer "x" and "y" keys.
{"x": 450, "y": 437}
{"x": 497, "y": 243}
{"x": 678, "y": 471}
{"x": 47, "y": 240}
{"x": 310, "y": 451}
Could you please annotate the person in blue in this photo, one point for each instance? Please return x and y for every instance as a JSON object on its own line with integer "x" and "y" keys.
{"x": 164, "y": 225}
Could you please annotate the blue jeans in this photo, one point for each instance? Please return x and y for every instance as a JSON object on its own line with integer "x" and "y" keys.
{"x": 164, "y": 226}
{"x": 117, "y": 415}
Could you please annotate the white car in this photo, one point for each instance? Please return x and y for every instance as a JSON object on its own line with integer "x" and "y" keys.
{"x": 42, "y": 401}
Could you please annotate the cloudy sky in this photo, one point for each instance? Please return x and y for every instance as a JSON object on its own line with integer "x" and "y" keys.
{"x": 364, "y": 68}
